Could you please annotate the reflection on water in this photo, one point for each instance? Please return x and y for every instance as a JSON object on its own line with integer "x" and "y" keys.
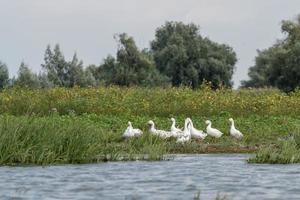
{"x": 180, "y": 178}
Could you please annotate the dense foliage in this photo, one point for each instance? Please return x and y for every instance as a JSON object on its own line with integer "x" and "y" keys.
{"x": 63, "y": 73}
{"x": 3, "y": 75}
{"x": 26, "y": 78}
{"x": 131, "y": 66}
{"x": 182, "y": 54}
{"x": 279, "y": 65}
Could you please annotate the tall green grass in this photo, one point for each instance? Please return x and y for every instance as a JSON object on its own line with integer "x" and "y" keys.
{"x": 79, "y": 125}
{"x": 286, "y": 151}
{"x": 95, "y": 138}
{"x": 53, "y": 139}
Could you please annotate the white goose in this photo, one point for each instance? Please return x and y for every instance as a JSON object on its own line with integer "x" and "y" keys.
{"x": 173, "y": 126}
{"x": 132, "y": 132}
{"x": 234, "y": 132}
{"x": 212, "y": 131}
{"x": 198, "y": 134}
{"x": 186, "y": 136}
{"x": 160, "y": 133}
{"x": 176, "y": 132}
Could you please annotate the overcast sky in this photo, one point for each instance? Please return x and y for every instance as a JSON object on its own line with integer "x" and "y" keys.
{"x": 88, "y": 26}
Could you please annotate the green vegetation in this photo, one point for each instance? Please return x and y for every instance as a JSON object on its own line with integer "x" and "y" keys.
{"x": 71, "y": 113}
{"x": 3, "y": 75}
{"x": 62, "y": 73}
{"x": 286, "y": 151}
{"x": 80, "y": 125}
{"x": 157, "y": 102}
{"x": 67, "y": 139}
{"x": 92, "y": 138}
{"x": 278, "y": 66}
{"x": 26, "y": 78}
{"x": 131, "y": 66}
{"x": 187, "y": 58}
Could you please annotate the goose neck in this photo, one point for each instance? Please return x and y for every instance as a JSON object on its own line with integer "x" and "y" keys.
{"x": 232, "y": 124}
{"x": 209, "y": 125}
{"x": 191, "y": 123}
{"x": 173, "y": 124}
{"x": 186, "y": 124}
{"x": 152, "y": 128}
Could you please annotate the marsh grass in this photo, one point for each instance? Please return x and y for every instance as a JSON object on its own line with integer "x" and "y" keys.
{"x": 55, "y": 139}
{"x": 82, "y": 125}
{"x": 87, "y": 138}
{"x": 286, "y": 151}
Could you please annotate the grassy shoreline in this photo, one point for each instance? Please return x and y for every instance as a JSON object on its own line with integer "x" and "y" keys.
{"x": 286, "y": 152}
{"x": 82, "y": 125}
{"x": 56, "y": 139}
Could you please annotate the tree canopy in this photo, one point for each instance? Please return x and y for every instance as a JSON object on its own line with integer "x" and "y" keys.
{"x": 131, "y": 66}
{"x": 26, "y": 77}
{"x": 4, "y": 77}
{"x": 182, "y": 54}
{"x": 279, "y": 65}
{"x": 63, "y": 73}
{"x": 55, "y": 66}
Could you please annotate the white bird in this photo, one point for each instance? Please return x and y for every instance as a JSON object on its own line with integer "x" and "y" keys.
{"x": 212, "y": 131}
{"x": 160, "y": 133}
{"x": 132, "y": 132}
{"x": 186, "y": 136}
{"x": 176, "y": 132}
{"x": 195, "y": 133}
{"x": 234, "y": 132}
{"x": 173, "y": 127}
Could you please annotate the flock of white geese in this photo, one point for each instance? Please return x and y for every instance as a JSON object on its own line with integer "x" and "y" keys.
{"x": 183, "y": 135}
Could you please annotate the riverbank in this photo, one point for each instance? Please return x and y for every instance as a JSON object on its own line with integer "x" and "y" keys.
{"x": 84, "y": 125}
{"x": 89, "y": 138}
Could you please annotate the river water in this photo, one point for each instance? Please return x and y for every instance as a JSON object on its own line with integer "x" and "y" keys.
{"x": 180, "y": 178}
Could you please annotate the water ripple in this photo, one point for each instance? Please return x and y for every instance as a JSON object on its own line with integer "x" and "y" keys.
{"x": 180, "y": 178}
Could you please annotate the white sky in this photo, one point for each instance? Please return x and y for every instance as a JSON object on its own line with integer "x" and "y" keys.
{"x": 88, "y": 26}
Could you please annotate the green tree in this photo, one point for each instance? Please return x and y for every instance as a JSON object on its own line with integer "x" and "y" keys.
{"x": 279, "y": 65}
{"x": 56, "y": 67}
{"x": 89, "y": 79}
{"x": 63, "y": 73}
{"x": 44, "y": 81}
{"x": 182, "y": 54}
{"x": 26, "y": 78}
{"x": 4, "y": 76}
{"x": 78, "y": 75}
{"x": 131, "y": 66}
{"x": 75, "y": 72}
{"x": 96, "y": 75}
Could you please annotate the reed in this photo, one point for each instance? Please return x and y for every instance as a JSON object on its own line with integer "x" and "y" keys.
{"x": 285, "y": 152}
{"x": 90, "y": 138}
{"x": 54, "y": 139}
